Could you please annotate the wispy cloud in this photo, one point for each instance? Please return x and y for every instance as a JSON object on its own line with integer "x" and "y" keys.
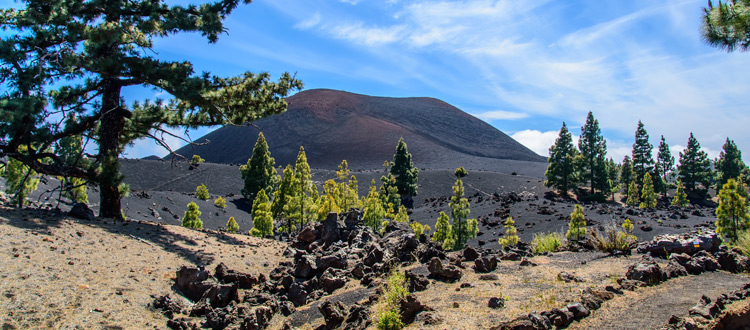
{"x": 500, "y": 115}
{"x": 368, "y": 35}
{"x": 309, "y": 23}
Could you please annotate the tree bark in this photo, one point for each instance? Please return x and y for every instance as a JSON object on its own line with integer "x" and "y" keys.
{"x": 112, "y": 123}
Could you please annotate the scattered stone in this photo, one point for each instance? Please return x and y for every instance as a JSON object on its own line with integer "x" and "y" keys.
{"x": 690, "y": 243}
{"x": 333, "y": 313}
{"x": 81, "y": 211}
{"x": 410, "y": 307}
{"x": 526, "y": 262}
{"x": 496, "y": 303}
{"x": 485, "y": 264}
{"x": 429, "y": 318}
{"x": 470, "y": 254}
{"x": 416, "y": 282}
{"x": 578, "y": 310}
{"x": 449, "y": 273}
{"x": 190, "y": 282}
{"x": 646, "y": 270}
{"x": 488, "y": 277}
{"x": 567, "y": 277}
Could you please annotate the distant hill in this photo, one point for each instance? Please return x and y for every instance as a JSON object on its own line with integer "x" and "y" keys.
{"x": 334, "y": 125}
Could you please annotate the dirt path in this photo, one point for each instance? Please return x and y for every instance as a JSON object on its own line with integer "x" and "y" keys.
{"x": 650, "y": 308}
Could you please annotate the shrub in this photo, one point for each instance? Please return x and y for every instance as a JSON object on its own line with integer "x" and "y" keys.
{"x": 201, "y": 192}
{"x": 192, "y": 219}
{"x": 612, "y": 239}
{"x": 389, "y": 316}
{"x": 546, "y": 242}
{"x": 402, "y": 215}
{"x": 232, "y": 225}
{"x": 220, "y": 202}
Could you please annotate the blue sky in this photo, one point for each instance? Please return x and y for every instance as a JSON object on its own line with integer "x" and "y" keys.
{"x": 522, "y": 66}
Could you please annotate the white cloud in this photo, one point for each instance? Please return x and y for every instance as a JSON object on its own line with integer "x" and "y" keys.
{"x": 351, "y": 2}
{"x": 310, "y": 22}
{"x": 538, "y": 141}
{"x": 500, "y": 115}
{"x": 368, "y": 35}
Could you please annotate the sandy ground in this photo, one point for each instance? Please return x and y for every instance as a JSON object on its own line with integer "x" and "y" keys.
{"x": 61, "y": 273}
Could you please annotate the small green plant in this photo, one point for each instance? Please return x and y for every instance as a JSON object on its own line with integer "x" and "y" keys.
{"x": 402, "y": 215}
{"x": 460, "y": 172}
{"x": 612, "y": 239}
{"x": 196, "y": 160}
{"x": 220, "y": 202}
{"x": 389, "y": 316}
{"x": 546, "y": 242}
{"x": 510, "y": 238}
{"x": 192, "y": 219}
{"x": 628, "y": 226}
{"x": 680, "y": 197}
{"x": 201, "y": 192}
{"x": 232, "y": 225}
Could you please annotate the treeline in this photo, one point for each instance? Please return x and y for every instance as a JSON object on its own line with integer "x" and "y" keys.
{"x": 641, "y": 178}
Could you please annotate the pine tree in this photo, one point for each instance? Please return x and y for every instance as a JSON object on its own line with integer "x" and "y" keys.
{"x": 78, "y": 57}
{"x": 389, "y": 193}
{"x": 328, "y": 200}
{"x": 201, "y": 192}
{"x": 593, "y": 149}
{"x": 665, "y": 163}
{"x": 404, "y": 170}
{"x": 262, "y": 216}
{"x": 402, "y": 216}
{"x": 511, "y": 234}
{"x": 348, "y": 196}
{"x": 577, "y": 225}
{"x": 351, "y": 197}
{"x": 694, "y": 168}
{"x": 648, "y": 196}
{"x": 727, "y": 26}
{"x": 561, "y": 174}
{"x": 191, "y": 218}
{"x": 279, "y": 207}
{"x": 732, "y": 213}
{"x": 220, "y": 202}
{"x": 642, "y": 155}
{"x": 460, "y": 172}
{"x": 613, "y": 172}
{"x": 232, "y": 225}
{"x": 303, "y": 194}
{"x": 195, "y": 161}
{"x": 626, "y": 173}
{"x": 729, "y": 165}
{"x": 628, "y": 226}
{"x": 602, "y": 176}
{"x": 259, "y": 172}
{"x": 463, "y": 228}
{"x": 680, "y": 197}
{"x": 373, "y": 210}
{"x": 633, "y": 196}
{"x": 442, "y": 228}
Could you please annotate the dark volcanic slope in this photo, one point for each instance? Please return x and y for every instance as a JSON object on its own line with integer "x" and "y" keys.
{"x": 335, "y": 125}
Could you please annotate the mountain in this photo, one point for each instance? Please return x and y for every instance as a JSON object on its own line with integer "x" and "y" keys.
{"x": 334, "y": 125}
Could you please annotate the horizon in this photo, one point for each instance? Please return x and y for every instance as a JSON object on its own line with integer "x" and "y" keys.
{"x": 524, "y": 67}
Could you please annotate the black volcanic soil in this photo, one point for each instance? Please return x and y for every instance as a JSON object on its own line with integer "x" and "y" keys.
{"x": 334, "y": 125}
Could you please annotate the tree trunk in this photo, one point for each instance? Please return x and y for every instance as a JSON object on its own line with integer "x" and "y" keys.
{"x": 112, "y": 123}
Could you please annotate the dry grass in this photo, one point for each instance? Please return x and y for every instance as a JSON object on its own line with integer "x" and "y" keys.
{"x": 66, "y": 273}
{"x": 525, "y": 288}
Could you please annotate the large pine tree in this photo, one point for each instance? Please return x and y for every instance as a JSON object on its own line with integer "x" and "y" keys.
{"x": 259, "y": 172}
{"x": 626, "y": 173}
{"x": 303, "y": 194}
{"x": 404, "y": 170}
{"x": 463, "y": 227}
{"x": 643, "y": 161}
{"x": 730, "y": 164}
{"x": 593, "y": 150}
{"x": 78, "y": 56}
{"x": 561, "y": 172}
{"x": 732, "y": 213}
{"x": 665, "y": 163}
{"x": 694, "y": 168}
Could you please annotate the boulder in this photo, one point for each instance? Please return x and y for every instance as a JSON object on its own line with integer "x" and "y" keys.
{"x": 190, "y": 281}
{"x": 358, "y": 318}
{"x": 220, "y": 318}
{"x": 329, "y": 229}
{"x": 81, "y": 211}
{"x": 297, "y": 294}
{"x": 429, "y": 318}
{"x": 560, "y": 317}
{"x": 167, "y": 306}
{"x": 646, "y": 270}
{"x": 220, "y": 295}
{"x": 532, "y": 321}
{"x": 674, "y": 269}
{"x": 690, "y": 243}
{"x": 333, "y": 313}
{"x": 470, "y": 254}
{"x": 305, "y": 267}
{"x": 374, "y": 256}
{"x": 329, "y": 282}
{"x": 732, "y": 261}
{"x": 307, "y": 235}
{"x": 578, "y": 310}
{"x": 485, "y": 264}
{"x": 704, "y": 308}
{"x": 439, "y": 271}
{"x": 416, "y": 282}
{"x": 335, "y": 260}
{"x": 410, "y": 307}
{"x": 496, "y": 303}
{"x": 226, "y": 275}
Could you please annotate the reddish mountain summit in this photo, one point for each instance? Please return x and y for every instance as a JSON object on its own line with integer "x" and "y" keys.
{"x": 334, "y": 125}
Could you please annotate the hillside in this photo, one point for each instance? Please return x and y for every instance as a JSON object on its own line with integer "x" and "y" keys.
{"x": 335, "y": 125}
